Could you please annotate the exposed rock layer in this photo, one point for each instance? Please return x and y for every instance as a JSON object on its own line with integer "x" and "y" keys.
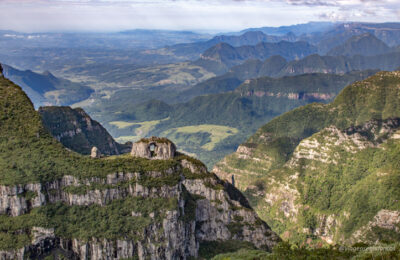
{"x": 219, "y": 205}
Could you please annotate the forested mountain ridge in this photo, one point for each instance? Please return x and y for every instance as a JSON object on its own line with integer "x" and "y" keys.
{"x": 306, "y": 170}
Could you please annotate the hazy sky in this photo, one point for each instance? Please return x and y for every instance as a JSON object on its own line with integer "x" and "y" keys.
{"x": 208, "y": 15}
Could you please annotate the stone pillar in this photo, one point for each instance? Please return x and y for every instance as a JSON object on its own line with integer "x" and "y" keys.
{"x": 95, "y": 153}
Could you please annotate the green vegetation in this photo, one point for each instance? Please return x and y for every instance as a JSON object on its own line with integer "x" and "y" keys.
{"x": 77, "y": 131}
{"x": 28, "y": 154}
{"x": 113, "y": 221}
{"x": 83, "y": 189}
{"x": 217, "y": 133}
{"x": 287, "y": 251}
{"x": 139, "y": 130}
{"x": 28, "y": 195}
{"x": 209, "y": 249}
{"x": 157, "y": 182}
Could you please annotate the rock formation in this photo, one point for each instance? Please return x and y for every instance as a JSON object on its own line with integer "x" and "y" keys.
{"x": 1, "y": 71}
{"x": 207, "y": 210}
{"x": 76, "y": 208}
{"x": 154, "y": 148}
{"x": 95, "y": 153}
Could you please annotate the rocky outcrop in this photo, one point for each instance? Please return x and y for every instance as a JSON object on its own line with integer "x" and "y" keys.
{"x": 154, "y": 148}
{"x": 218, "y": 210}
{"x": 385, "y": 221}
{"x": 292, "y": 95}
{"x": 327, "y": 171}
{"x": 78, "y": 132}
{"x": 95, "y": 153}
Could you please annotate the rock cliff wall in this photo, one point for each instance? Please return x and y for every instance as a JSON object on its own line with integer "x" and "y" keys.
{"x": 208, "y": 209}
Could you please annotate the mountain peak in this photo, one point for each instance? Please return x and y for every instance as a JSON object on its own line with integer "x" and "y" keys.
{"x": 363, "y": 44}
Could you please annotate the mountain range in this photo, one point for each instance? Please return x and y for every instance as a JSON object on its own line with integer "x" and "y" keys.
{"x": 300, "y": 124}
{"x": 227, "y": 56}
{"x": 224, "y": 120}
{"x": 277, "y": 66}
{"x": 193, "y": 50}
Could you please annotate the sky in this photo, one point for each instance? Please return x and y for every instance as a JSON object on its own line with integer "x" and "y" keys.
{"x": 196, "y": 15}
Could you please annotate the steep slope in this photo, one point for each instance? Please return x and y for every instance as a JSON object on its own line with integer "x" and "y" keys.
{"x": 328, "y": 171}
{"x": 46, "y": 89}
{"x": 364, "y": 44}
{"x": 56, "y": 202}
{"x": 78, "y": 132}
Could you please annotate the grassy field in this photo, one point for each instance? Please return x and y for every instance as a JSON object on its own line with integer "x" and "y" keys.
{"x": 217, "y": 133}
{"x": 142, "y": 129}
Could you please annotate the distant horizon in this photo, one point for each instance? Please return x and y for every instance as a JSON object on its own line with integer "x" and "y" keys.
{"x": 213, "y": 32}
{"x": 35, "y": 16}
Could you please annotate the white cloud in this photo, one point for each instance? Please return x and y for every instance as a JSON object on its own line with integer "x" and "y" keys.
{"x": 112, "y": 15}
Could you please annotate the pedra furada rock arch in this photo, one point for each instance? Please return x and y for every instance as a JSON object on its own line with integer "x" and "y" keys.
{"x": 158, "y": 148}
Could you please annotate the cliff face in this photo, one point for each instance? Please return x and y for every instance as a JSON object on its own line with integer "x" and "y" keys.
{"x": 56, "y": 202}
{"x": 203, "y": 208}
{"x": 327, "y": 171}
{"x": 78, "y": 132}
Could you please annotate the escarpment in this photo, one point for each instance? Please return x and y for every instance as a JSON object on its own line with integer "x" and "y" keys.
{"x": 327, "y": 171}
{"x": 56, "y": 202}
{"x": 78, "y": 132}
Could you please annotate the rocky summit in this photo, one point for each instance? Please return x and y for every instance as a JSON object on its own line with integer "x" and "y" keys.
{"x": 55, "y": 202}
